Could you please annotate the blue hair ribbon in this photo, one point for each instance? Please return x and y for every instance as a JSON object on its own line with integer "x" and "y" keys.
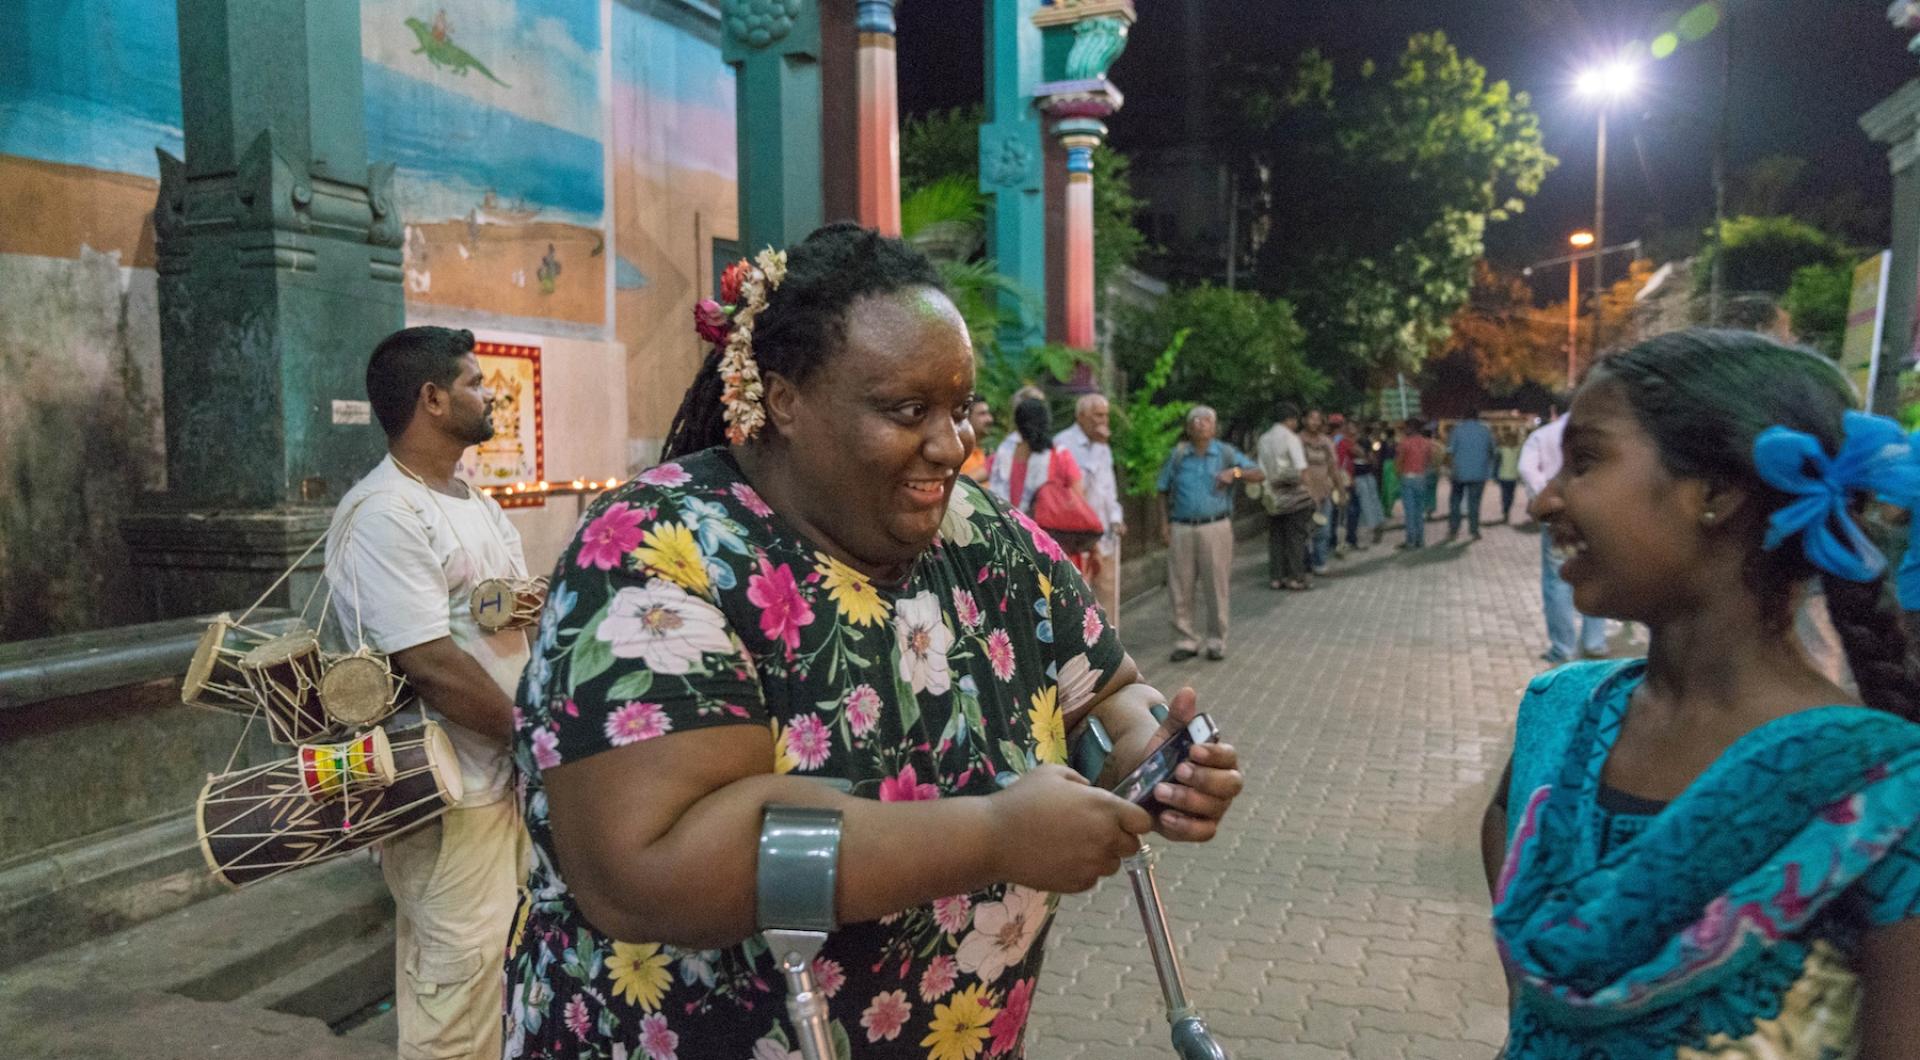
{"x": 1875, "y": 457}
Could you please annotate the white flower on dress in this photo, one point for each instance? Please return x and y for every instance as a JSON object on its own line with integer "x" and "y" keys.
{"x": 771, "y": 1049}
{"x": 665, "y": 626}
{"x": 1078, "y": 682}
{"x": 921, "y": 634}
{"x": 956, "y": 526}
{"x": 1003, "y": 932}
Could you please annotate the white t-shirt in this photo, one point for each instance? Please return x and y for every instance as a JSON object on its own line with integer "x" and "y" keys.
{"x": 403, "y": 562}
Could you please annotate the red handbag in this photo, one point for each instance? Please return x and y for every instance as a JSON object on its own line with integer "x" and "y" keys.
{"x": 1057, "y": 507}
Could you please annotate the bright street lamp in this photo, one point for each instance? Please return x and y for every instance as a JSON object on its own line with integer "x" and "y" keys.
{"x": 1581, "y": 240}
{"x": 1605, "y": 84}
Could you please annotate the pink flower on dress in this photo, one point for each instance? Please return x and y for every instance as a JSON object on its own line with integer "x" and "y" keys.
{"x": 1006, "y": 1027}
{"x": 546, "y": 748}
{"x": 576, "y": 1017}
{"x": 907, "y": 788}
{"x": 968, "y": 607}
{"x": 884, "y": 1017}
{"x": 1041, "y": 539}
{"x": 636, "y": 722}
{"x": 937, "y": 980}
{"x": 863, "y": 709}
{"x": 609, "y": 538}
{"x": 1091, "y": 626}
{"x": 750, "y": 499}
{"x": 1846, "y": 811}
{"x": 953, "y": 914}
{"x": 809, "y": 741}
{"x": 665, "y": 475}
{"x": 828, "y": 976}
{"x": 659, "y": 1041}
{"x": 1000, "y": 654}
{"x": 783, "y": 611}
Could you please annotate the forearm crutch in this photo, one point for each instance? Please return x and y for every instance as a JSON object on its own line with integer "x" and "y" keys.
{"x": 1191, "y": 1039}
{"x": 794, "y": 879}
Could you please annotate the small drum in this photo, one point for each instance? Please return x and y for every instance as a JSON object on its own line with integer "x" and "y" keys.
{"x": 360, "y": 689}
{"x": 508, "y": 603}
{"x": 214, "y": 678}
{"x": 284, "y": 675}
{"x": 257, "y": 823}
{"x": 362, "y": 764}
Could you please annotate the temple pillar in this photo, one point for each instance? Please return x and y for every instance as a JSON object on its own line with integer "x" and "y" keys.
{"x": 1080, "y": 41}
{"x": 879, "y": 134}
{"x": 774, "y": 47}
{"x": 1895, "y": 122}
{"x": 1012, "y": 173}
{"x": 278, "y": 254}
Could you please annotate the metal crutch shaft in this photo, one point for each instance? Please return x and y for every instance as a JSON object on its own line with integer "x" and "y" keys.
{"x": 1191, "y": 1039}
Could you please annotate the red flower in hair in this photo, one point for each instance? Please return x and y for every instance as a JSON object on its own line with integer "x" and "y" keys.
{"x": 730, "y": 281}
{"x": 711, "y": 321}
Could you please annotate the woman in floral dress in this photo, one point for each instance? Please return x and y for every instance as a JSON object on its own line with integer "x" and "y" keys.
{"x": 809, "y": 591}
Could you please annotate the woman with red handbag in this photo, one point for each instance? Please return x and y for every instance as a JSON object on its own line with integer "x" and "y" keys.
{"x": 1046, "y": 482}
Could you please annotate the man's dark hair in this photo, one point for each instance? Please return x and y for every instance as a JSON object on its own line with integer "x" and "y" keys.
{"x": 1472, "y": 413}
{"x": 407, "y": 360}
{"x": 805, "y": 321}
{"x": 1287, "y": 410}
{"x": 1750, "y": 312}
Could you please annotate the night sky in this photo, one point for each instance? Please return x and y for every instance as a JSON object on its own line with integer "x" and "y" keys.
{"x": 1805, "y": 70}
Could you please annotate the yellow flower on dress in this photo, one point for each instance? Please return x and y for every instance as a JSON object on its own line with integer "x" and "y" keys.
{"x": 640, "y": 973}
{"x": 960, "y": 1028}
{"x": 783, "y": 760}
{"x": 670, "y": 551}
{"x": 1049, "y": 728}
{"x": 852, "y": 592}
{"x": 1046, "y": 587}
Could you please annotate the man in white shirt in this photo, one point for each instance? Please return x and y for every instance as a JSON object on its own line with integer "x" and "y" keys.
{"x": 1540, "y": 460}
{"x": 408, "y": 545}
{"x": 1088, "y": 441}
{"x": 1289, "y": 506}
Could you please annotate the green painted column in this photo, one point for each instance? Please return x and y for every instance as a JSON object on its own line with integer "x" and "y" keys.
{"x": 278, "y": 252}
{"x": 774, "y": 47}
{"x": 1011, "y": 171}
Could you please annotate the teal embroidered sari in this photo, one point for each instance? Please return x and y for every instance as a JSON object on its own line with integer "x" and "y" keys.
{"x": 1722, "y": 925}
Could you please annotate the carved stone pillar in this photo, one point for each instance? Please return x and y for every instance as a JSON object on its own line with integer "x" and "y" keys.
{"x": 1011, "y": 167}
{"x": 1895, "y": 122}
{"x": 278, "y": 253}
{"x": 1081, "y": 39}
{"x": 774, "y": 45}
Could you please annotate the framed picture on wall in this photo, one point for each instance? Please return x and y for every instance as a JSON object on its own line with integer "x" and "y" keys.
{"x": 517, "y": 452}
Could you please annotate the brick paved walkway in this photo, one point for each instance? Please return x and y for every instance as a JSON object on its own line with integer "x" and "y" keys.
{"x": 1343, "y": 914}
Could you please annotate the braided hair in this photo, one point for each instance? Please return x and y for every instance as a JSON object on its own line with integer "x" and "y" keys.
{"x": 805, "y": 321}
{"x": 1704, "y": 396}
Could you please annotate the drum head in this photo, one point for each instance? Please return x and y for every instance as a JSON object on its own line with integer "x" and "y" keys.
{"x": 357, "y": 690}
{"x": 492, "y": 604}
{"x": 445, "y": 763}
{"x": 200, "y": 668}
{"x": 280, "y": 649}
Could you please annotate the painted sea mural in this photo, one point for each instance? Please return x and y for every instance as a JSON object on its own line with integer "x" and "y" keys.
{"x": 491, "y": 111}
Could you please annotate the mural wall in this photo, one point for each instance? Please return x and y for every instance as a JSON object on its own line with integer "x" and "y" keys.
{"x": 563, "y": 167}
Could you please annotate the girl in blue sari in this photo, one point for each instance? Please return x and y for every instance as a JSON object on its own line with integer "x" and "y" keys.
{"x": 1712, "y": 852}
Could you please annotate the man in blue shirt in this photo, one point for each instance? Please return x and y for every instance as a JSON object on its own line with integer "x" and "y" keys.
{"x": 1471, "y": 455}
{"x": 1196, "y": 487}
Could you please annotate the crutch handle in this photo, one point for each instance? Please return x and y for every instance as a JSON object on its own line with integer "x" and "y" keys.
{"x": 794, "y": 908}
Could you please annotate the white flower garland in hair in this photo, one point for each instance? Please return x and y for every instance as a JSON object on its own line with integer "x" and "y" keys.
{"x": 745, "y": 414}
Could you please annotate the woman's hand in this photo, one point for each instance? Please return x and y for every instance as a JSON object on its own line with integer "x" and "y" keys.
{"x": 1203, "y": 787}
{"x": 1055, "y": 832}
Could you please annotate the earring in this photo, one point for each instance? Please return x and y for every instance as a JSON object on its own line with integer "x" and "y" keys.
{"x": 1707, "y": 518}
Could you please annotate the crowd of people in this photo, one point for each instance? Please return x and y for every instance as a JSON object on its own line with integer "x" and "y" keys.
{"x": 1710, "y": 851}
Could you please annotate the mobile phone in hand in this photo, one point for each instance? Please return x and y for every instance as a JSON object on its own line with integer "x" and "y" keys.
{"x": 1138, "y": 786}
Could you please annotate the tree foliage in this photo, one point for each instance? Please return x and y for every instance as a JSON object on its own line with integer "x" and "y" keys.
{"x": 1148, "y": 425}
{"x": 1511, "y": 342}
{"x": 1817, "y": 300}
{"x": 1243, "y": 352}
{"x": 1375, "y": 188}
{"x": 1761, "y": 254}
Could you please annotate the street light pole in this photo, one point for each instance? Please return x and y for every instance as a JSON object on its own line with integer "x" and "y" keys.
{"x": 1573, "y": 319}
{"x": 1599, "y": 229}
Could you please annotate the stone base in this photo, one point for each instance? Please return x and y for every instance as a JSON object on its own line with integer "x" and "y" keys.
{"x": 196, "y": 562}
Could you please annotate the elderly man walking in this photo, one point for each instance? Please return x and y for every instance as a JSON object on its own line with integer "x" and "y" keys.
{"x": 1088, "y": 441}
{"x": 1196, "y": 507}
{"x": 1471, "y": 458}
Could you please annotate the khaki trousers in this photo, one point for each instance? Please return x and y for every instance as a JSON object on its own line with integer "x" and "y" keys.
{"x": 455, "y": 883}
{"x": 1200, "y": 554}
{"x": 1106, "y": 585}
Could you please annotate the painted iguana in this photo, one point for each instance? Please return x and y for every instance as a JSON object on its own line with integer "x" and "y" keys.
{"x": 441, "y": 51}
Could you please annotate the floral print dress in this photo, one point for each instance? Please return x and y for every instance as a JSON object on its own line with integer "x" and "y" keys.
{"x": 685, "y": 602}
